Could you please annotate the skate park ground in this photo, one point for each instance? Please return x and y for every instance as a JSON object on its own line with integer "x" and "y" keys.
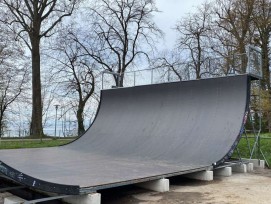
{"x": 240, "y": 188}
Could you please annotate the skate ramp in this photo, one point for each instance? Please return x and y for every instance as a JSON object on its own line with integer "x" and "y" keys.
{"x": 139, "y": 134}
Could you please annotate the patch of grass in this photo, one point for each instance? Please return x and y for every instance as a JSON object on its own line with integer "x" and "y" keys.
{"x": 265, "y": 144}
{"x": 32, "y": 143}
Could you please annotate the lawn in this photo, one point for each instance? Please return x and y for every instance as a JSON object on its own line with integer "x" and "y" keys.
{"x": 31, "y": 143}
{"x": 265, "y": 144}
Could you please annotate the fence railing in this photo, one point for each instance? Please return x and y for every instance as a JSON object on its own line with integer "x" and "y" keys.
{"x": 249, "y": 62}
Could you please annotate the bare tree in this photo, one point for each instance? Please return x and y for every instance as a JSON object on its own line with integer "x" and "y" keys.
{"x": 262, "y": 21}
{"x": 194, "y": 31}
{"x": 33, "y": 20}
{"x": 77, "y": 75}
{"x": 49, "y": 96}
{"x": 121, "y": 31}
{"x": 246, "y": 22}
{"x": 13, "y": 75}
{"x": 234, "y": 20}
{"x": 171, "y": 61}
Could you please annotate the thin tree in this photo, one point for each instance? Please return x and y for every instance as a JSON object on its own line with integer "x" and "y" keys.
{"x": 12, "y": 85}
{"x": 13, "y": 74}
{"x": 77, "y": 75}
{"x": 32, "y": 21}
{"x": 235, "y": 19}
{"x": 121, "y": 32}
{"x": 171, "y": 61}
{"x": 262, "y": 21}
{"x": 193, "y": 36}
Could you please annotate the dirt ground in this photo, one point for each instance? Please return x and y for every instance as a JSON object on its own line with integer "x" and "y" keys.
{"x": 249, "y": 188}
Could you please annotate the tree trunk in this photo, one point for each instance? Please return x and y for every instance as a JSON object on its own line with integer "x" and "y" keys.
{"x": 121, "y": 80}
{"x": 36, "y": 129}
{"x": 80, "y": 119}
{"x": 1, "y": 124}
{"x": 269, "y": 121}
{"x": 198, "y": 72}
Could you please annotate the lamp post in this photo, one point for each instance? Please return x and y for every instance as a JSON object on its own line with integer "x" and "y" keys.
{"x": 56, "y": 106}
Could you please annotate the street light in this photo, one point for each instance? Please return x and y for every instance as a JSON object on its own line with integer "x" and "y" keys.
{"x": 56, "y": 106}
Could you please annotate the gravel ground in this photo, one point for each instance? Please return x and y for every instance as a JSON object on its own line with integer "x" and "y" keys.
{"x": 249, "y": 188}
{"x": 3, "y": 196}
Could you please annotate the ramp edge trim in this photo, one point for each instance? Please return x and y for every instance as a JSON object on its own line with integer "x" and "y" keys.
{"x": 38, "y": 184}
{"x": 145, "y": 179}
{"x": 239, "y": 136}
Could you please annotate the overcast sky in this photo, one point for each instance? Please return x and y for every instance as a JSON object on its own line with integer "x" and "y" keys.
{"x": 171, "y": 11}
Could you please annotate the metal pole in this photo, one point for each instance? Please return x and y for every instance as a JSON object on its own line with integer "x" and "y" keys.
{"x": 134, "y": 78}
{"x": 233, "y": 64}
{"x": 56, "y": 106}
{"x": 260, "y": 117}
{"x": 168, "y": 76}
{"x": 248, "y": 71}
{"x": 103, "y": 80}
{"x": 69, "y": 123}
{"x": 151, "y": 76}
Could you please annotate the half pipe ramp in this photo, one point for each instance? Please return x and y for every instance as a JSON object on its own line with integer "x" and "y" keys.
{"x": 141, "y": 133}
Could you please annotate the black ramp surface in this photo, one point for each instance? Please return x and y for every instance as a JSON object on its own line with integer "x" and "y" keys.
{"x": 141, "y": 133}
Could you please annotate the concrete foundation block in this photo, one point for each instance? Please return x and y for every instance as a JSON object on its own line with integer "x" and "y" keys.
{"x": 240, "y": 168}
{"x": 256, "y": 162}
{"x": 13, "y": 200}
{"x": 262, "y": 164}
{"x": 250, "y": 167}
{"x": 94, "y": 198}
{"x": 226, "y": 171}
{"x": 160, "y": 185}
{"x": 202, "y": 175}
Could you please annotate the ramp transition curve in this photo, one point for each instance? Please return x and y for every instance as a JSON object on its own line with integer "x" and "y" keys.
{"x": 141, "y": 133}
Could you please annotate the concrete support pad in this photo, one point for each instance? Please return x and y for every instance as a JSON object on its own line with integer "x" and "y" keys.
{"x": 94, "y": 198}
{"x": 250, "y": 167}
{"x": 202, "y": 175}
{"x": 160, "y": 185}
{"x": 226, "y": 171}
{"x": 262, "y": 164}
{"x": 240, "y": 168}
{"x": 13, "y": 200}
{"x": 256, "y": 162}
